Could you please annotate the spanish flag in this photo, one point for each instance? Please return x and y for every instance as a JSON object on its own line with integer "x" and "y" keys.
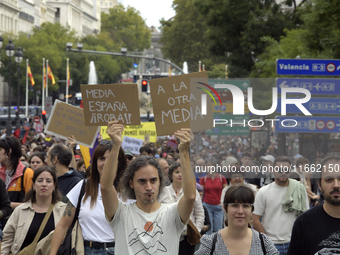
{"x": 44, "y": 77}
{"x": 29, "y": 73}
{"x": 50, "y": 74}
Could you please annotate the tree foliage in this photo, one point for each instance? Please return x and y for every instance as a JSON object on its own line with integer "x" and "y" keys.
{"x": 184, "y": 37}
{"x": 235, "y": 29}
{"x": 126, "y": 28}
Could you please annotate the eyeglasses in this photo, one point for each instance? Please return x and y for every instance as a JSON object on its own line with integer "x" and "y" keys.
{"x": 104, "y": 142}
{"x": 129, "y": 157}
{"x": 235, "y": 207}
{"x": 4, "y": 139}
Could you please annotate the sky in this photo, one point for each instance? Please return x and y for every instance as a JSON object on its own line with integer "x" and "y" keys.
{"x": 152, "y": 10}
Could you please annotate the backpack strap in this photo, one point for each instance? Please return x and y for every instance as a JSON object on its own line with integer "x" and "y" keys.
{"x": 213, "y": 244}
{"x": 262, "y": 244}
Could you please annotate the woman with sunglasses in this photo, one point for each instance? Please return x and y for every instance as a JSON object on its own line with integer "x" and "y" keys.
{"x": 238, "y": 237}
{"x": 97, "y": 233}
{"x": 17, "y": 177}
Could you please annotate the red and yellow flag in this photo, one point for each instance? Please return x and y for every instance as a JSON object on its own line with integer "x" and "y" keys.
{"x": 50, "y": 74}
{"x": 29, "y": 73}
{"x": 44, "y": 77}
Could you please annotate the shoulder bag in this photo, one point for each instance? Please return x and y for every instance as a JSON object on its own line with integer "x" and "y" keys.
{"x": 30, "y": 249}
{"x": 73, "y": 242}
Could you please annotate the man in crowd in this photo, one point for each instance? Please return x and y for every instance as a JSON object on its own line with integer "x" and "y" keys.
{"x": 317, "y": 230}
{"x": 274, "y": 204}
{"x": 59, "y": 156}
{"x": 163, "y": 164}
{"x": 146, "y": 227}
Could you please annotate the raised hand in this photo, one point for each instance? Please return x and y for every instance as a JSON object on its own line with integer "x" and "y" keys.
{"x": 184, "y": 136}
{"x": 114, "y": 130}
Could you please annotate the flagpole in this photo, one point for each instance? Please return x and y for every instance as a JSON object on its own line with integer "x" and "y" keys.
{"x": 46, "y": 78}
{"x": 43, "y": 91}
{"x": 26, "y": 113}
{"x": 67, "y": 80}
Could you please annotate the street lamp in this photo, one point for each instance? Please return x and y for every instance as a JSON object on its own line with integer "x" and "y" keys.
{"x": 9, "y": 52}
{"x": 18, "y": 58}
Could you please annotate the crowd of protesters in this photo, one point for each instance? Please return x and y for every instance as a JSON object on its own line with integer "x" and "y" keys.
{"x": 153, "y": 198}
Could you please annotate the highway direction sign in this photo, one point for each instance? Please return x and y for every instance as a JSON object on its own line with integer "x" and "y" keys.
{"x": 308, "y": 67}
{"x": 307, "y": 124}
{"x": 314, "y": 105}
{"x": 315, "y": 86}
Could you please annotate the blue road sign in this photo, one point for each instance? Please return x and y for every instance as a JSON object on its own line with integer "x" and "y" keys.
{"x": 292, "y": 124}
{"x": 315, "y": 86}
{"x": 308, "y": 67}
{"x": 314, "y": 105}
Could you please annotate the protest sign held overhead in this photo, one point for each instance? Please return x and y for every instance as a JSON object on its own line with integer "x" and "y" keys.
{"x": 104, "y": 103}
{"x": 132, "y": 144}
{"x": 66, "y": 120}
{"x": 140, "y": 131}
{"x": 177, "y": 103}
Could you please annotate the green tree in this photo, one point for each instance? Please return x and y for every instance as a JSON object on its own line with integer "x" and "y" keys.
{"x": 235, "y": 29}
{"x": 126, "y": 28}
{"x": 184, "y": 37}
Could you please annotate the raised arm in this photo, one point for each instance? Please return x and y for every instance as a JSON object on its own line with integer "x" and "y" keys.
{"x": 186, "y": 203}
{"x": 62, "y": 227}
{"x": 109, "y": 194}
{"x": 72, "y": 144}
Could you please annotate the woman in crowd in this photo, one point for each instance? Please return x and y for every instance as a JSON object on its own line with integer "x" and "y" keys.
{"x": 17, "y": 177}
{"x": 97, "y": 233}
{"x": 238, "y": 237}
{"x": 5, "y": 206}
{"x": 26, "y": 219}
{"x": 81, "y": 168}
{"x": 172, "y": 194}
{"x": 37, "y": 160}
{"x": 213, "y": 184}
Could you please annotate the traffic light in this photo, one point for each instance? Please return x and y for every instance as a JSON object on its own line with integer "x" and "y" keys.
{"x": 144, "y": 85}
{"x": 43, "y": 113}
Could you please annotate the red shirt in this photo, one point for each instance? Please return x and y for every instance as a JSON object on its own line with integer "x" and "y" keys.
{"x": 213, "y": 188}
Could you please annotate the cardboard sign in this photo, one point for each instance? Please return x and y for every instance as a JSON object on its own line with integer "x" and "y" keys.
{"x": 132, "y": 144}
{"x": 146, "y": 128}
{"x": 66, "y": 120}
{"x": 177, "y": 103}
{"x": 103, "y": 103}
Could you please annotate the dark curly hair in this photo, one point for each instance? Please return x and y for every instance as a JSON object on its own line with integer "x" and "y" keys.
{"x": 132, "y": 168}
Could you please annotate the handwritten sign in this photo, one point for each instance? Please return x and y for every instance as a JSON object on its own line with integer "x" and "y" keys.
{"x": 66, "y": 120}
{"x": 140, "y": 131}
{"x": 132, "y": 144}
{"x": 177, "y": 103}
{"x": 103, "y": 103}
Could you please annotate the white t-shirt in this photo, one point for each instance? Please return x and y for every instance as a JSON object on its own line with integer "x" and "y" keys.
{"x": 92, "y": 221}
{"x": 276, "y": 222}
{"x": 143, "y": 233}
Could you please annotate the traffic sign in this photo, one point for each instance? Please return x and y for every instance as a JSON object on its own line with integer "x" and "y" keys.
{"x": 314, "y": 105}
{"x": 307, "y": 124}
{"x": 241, "y": 84}
{"x": 315, "y": 86}
{"x": 36, "y": 119}
{"x": 308, "y": 67}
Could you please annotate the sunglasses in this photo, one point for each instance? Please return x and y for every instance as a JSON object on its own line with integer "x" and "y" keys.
{"x": 129, "y": 157}
{"x": 104, "y": 142}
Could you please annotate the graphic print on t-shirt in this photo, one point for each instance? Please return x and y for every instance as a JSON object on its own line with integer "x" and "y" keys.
{"x": 332, "y": 243}
{"x": 150, "y": 243}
